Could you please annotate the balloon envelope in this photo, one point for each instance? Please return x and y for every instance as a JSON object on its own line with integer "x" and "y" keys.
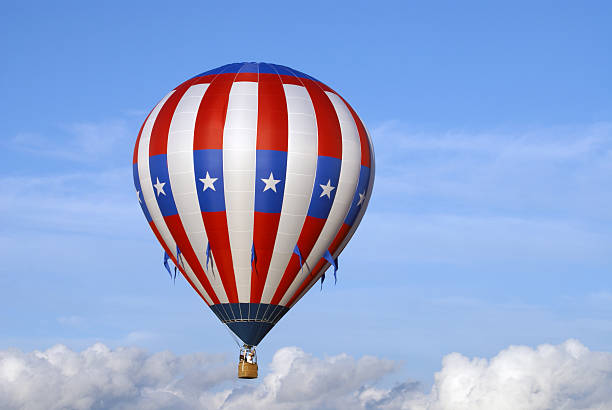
{"x": 253, "y": 177}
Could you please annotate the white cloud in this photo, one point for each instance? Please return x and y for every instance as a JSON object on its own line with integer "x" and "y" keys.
{"x": 100, "y": 378}
{"x": 298, "y": 380}
{"x": 565, "y": 376}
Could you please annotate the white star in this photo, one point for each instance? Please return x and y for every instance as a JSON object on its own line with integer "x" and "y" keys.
{"x": 327, "y": 189}
{"x": 208, "y": 182}
{"x": 270, "y": 183}
{"x": 138, "y": 195}
{"x": 361, "y": 198}
{"x": 159, "y": 187}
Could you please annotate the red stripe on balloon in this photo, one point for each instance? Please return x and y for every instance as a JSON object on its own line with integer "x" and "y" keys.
{"x": 135, "y": 159}
{"x": 175, "y": 226}
{"x": 163, "y": 244}
{"x": 272, "y": 123}
{"x": 329, "y": 143}
{"x": 159, "y": 134}
{"x": 210, "y": 120}
{"x": 363, "y": 135}
{"x": 208, "y": 134}
{"x": 272, "y": 134}
{"x": 328, "y": 126}
{"x": 344, "y": 229}
{"x": 265, "y": 228}
{"x": 215, "y": 224}
{"x": 308, "y": 236}
{"x": 288, "y": 79}
{"x": 252, "y": 77}
{"x": 312, "y": 277}
{"x": 326, "y": 88}
{"x": 193, "y": 81}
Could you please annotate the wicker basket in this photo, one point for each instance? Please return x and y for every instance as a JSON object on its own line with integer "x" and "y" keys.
{"x": 247, "y": 370}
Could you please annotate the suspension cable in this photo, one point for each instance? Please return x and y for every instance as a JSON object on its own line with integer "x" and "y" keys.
{"x": 232, "y": 334}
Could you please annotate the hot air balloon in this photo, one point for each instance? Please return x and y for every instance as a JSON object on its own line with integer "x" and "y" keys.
{"x": 253, "y": 177}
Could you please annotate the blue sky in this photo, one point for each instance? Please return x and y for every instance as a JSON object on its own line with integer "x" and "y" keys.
{"x": 490, "y": 222}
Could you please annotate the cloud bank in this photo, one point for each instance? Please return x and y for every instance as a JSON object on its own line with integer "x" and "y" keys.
{"x": 565, "y": 376}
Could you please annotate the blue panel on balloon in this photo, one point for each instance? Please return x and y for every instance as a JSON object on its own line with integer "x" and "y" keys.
{"x": 249, "y": 68}
{"x": 244, "y": 310}
{"x": 359, "y": 198}
{"x": 279, "y": 314}
{"x": 208, "y": 167}
{"x": 303, "y": 75}
{"x": 250, "y": 321}
{"x": 225, "y": 311}
{"x": 266, "y": 68}
{"x": 253, "y": 309}
{"x": 160, "y": 181}
{"x": 217, "y": 70}
{"x": 250, "y": 333}
{"x": 256, "y": 68}
{"x": 270, "y": 175}
{"x": 235, "y": 307}
{"x": 282, "y": 70}
{"x": 261, "y": 311}
{"x": 227, "y": 68}
{"x": 325, "y": 186}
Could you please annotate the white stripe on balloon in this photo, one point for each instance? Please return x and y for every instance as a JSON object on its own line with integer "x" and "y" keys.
{"x": 183, "y": 182}
{"x": 356, "y": 223}
{"x": 149, "y": 195}
{"x": 301, "y": 169}
{"x": 239, "y": 145}
{"x": 349, "y": 176}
